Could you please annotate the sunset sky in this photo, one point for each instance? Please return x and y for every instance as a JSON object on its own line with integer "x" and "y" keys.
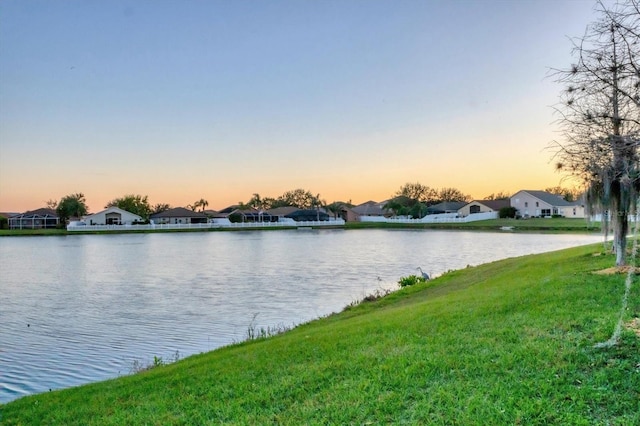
{"x": 182, "y": 100}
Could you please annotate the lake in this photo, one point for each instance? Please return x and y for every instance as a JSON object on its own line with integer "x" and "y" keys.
{"x": 83, "y": 308}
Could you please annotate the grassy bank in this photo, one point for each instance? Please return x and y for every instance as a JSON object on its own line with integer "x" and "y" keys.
{"x": 529, "y": 225}
{"x": 526, "y": 225}
{"x": 511, "y": 342}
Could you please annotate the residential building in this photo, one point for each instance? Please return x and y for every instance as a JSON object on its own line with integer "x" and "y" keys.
{"x": 483, "y": 206}
{"x": 178, "y": 215}
{"x": 112, "y": 216}
{"x": 531, "y": 203}
{"x": 34, "y": 219}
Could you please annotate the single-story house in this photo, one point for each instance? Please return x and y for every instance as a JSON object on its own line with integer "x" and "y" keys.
{"x": 371, "y": 208}
{"x": 446, "y": 207}
{"x": 297, "y": 214}
{"x": 531, "y": 203}
{"x": 308, "y": 215}
{"x": 282, "y": 211}
{"x": 34, "y": 219}
{"x": 483, "y": 206}
{"x": 112, "y": 216}
{"x": 178, "y": 215}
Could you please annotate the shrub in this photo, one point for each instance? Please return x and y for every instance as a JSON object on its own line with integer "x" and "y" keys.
{"x": 410, "y": 280}
{"x": 507, "y": 212}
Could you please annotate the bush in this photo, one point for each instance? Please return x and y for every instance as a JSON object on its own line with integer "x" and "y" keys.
{"x": 507, "y": 212}
{"x": 410, "y": 280}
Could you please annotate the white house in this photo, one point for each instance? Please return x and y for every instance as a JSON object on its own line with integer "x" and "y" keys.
{"x": 530, "y": 203}
{"x": 112, "y": 216}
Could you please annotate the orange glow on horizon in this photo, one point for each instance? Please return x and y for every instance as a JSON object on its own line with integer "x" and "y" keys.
{"x": 220, "y": 196}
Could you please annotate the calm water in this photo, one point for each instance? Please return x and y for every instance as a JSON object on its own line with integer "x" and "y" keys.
{"x": 84, "y": 308}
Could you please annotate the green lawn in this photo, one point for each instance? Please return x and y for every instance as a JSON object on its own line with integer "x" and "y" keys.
{"x": 510, "y": 342}
{"x": 535, "y": 225}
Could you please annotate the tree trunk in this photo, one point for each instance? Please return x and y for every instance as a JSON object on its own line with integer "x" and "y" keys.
{"x": 620, "y": 221}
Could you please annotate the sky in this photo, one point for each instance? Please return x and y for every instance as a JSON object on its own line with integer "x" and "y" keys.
{"x": 349, "y": 99}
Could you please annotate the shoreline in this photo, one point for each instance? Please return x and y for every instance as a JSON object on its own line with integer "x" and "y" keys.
{"x": 556, "y": 225}
{"x": 473, "y": 319}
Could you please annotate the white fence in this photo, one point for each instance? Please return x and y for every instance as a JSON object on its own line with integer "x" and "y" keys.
{"x": 434, "y": 218}
{"x": 186, "y": 226}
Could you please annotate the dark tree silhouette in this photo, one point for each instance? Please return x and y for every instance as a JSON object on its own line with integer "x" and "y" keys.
{"x": 599, "y": 115}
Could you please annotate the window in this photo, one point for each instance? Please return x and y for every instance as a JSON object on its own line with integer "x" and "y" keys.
{"x": 546, "y": 212}
{"x": 537, "y": 204}
{"x": 526, "y": 204}
{"x": 474, "y": 209}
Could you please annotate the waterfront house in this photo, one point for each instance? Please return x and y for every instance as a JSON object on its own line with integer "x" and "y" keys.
{"x": 372, "y": 210}
{"x": 483, "y": 206}
{"x": 281, "y": 212}
{"x": 178, "y": 215}
{"x": 112, "y": 216}
{"x": 446, "y": 207}
{"x": 308, "y": 215}
{"x": 531, "y": 203}
{"x": 34, "y": 219}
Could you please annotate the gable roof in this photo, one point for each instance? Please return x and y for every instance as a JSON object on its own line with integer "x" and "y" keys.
{"x": 494, "y": 205}
{"x": 549, "y": 198}
{"x": 178, "y": 212}
{"x": 113, "y": 209}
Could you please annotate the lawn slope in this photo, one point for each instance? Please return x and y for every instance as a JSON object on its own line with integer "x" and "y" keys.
{"x": 511, "y": 342}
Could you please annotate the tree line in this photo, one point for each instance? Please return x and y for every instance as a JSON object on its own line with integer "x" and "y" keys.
{"x": 410, "y": 199}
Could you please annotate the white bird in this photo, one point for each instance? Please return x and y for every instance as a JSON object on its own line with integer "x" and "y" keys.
{"x": 424, "y": 274}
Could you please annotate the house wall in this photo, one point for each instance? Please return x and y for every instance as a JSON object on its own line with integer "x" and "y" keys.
{"x": 466, "y": 210}
{"x": 349, "y": 215}
{"x": 178, "y": 220}
{"x": 100, "y": 218}
{"x": 574, "y": 212}
{"x": 529, "y": 206}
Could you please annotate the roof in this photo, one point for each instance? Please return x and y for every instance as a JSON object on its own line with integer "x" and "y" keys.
{"x": 308, "y": 213}
{"x": 493, "y": 204}
{"x": 113, "y": 209}
{"x": 229, "y": 209}
{"x": 447, "y": 206}
{"x": 282, "y": 211}
{"x": 178, "y": 212}
{"x": 43, "y": 212}
{"x": 549, "y": 198}
{"x": 370, "y": 208}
